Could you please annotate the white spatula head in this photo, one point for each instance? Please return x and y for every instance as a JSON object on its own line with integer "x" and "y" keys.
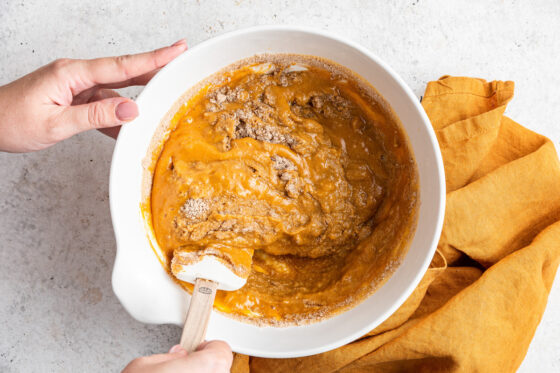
{"x": 188, "y": 267}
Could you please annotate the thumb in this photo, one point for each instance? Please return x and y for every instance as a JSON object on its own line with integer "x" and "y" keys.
{"x": 109, "y": 112}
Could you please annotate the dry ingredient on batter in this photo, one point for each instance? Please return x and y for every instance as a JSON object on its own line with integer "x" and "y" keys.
{"x": 301, "y": 180}
{"x": 195, "y": 209}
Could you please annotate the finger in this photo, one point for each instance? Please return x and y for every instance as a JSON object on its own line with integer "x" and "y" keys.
{"x": 108, "y": 70}
{"x": 218, "y": 350}
{"x": 214, "y": 346}
{"x": 161, "y": 358}
{"x": 213, "y": 359}
{"x": 177, "y": 349}
{"x": 84, "y": 96}
{"x": 202, "y": 345}
{"x": 109, "y": 112}
{"x": 93, "y": 94}
{"x": 147, "y": 363}
{"x": 213, "y": 356}
{"x": 139, "y": 80}
{"x": 101, "y": 94}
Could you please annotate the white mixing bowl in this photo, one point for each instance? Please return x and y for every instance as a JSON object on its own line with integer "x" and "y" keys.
{"x": 144, "y": 288}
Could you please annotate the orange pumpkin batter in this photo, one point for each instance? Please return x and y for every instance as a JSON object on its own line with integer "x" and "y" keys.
{"x": 299, "y": 180}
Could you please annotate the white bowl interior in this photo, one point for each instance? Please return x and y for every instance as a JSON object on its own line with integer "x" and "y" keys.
{"x": 142, "y": 285}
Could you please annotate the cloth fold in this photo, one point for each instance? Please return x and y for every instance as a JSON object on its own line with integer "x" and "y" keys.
{"x": 480, "y": 302}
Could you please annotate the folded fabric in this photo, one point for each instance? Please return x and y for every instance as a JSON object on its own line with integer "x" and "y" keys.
{"x": 479, "y": 303}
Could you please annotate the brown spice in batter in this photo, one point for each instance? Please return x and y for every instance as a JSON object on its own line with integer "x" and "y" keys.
{"x": 300, "y": 170}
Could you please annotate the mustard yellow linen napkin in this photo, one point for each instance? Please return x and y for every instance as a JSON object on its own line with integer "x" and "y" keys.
{"x": 500, "y": 240}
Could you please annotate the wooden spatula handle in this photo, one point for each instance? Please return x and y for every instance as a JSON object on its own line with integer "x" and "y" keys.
{"x": 198, "y": 314}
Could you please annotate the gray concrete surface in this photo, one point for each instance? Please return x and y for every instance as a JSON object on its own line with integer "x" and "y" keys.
{"x": 57, "y": 309}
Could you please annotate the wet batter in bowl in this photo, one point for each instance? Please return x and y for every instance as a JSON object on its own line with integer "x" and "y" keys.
{"x": 297, "y": 176}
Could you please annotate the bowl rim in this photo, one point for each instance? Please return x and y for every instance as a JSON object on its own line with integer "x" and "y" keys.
{"x": 432, "y": 139}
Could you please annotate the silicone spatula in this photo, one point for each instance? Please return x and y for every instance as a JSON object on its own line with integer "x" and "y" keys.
{"x": 208, "y": 271}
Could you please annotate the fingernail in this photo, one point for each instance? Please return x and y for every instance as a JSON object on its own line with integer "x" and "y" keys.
{"x": 179, "y": 43}
{"x": 126, "y": 110}
{"x": 176, "y": 349}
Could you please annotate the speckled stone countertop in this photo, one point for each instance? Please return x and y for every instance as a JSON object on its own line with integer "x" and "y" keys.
{"x": 58, "y": 311}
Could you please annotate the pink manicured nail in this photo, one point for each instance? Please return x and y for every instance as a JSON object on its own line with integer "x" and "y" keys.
{"x": 176, "y": 349}
{"x": 179, "y": 42}
{"x": 126, "y": 110}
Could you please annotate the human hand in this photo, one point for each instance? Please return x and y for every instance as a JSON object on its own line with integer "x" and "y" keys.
{"x": 68, "y": 96}
{"x": 213, "y": 356}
